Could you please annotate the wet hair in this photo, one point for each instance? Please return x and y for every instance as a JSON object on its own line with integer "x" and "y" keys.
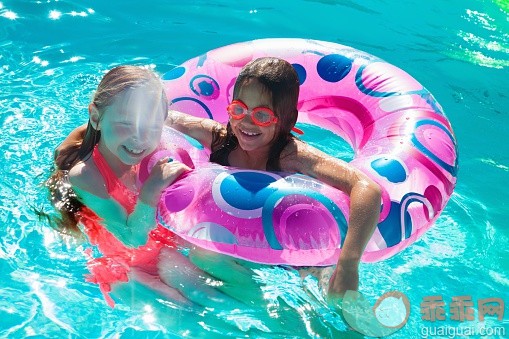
{"x": 114, "y": 82}
{"x": 280, "y": 80}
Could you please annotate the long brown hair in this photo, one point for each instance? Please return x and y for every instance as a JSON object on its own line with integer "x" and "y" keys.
{"x": 280, "y": 79}
{"x": 114, "y": 82}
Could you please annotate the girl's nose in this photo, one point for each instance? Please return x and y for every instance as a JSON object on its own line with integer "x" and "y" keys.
{"x": 140, "y": 134}
{"x": 249, "y": 117}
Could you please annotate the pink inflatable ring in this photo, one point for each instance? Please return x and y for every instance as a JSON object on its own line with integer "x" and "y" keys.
{"x": 398, "y": 131}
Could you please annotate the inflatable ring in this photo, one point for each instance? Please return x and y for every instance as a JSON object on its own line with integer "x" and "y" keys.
{"x": 398, "y": 131}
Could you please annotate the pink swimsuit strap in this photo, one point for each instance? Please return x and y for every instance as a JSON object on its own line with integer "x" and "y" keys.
{"x": 116, "y": 189}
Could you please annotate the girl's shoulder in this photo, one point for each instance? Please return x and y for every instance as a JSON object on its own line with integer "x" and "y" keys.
{"x": 297, "y": 149}
{"x": 300, "y": 157}
{"x": 86, "y": 177}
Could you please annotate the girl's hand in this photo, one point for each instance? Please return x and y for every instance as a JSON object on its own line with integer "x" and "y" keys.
{"x": 344, "y": 278}
{"x": 164, "y": 173}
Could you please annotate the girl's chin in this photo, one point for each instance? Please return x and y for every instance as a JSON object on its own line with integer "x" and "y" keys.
{"x": 129, "y": 160}
{"x": 251, "y": 147}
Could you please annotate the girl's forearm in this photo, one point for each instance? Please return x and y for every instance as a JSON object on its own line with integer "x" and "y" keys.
{"x": 140, "y": 222}
{"x": 365, "y": 199}
{"x": 143, "y": 217}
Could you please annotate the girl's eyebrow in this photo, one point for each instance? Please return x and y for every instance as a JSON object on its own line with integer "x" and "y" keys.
{"x": 123, "y": 122}
{"x": 264, "y": 106}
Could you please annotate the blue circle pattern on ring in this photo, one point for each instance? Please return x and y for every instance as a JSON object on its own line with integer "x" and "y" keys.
{"x": 271, "y": 203}
{"x": 204, "y": 85}
{"x": 175, "y": 73}
{"x": 453, "y": 170}
{"x": 195, "y": 143}
{"x": 333, "y": 67}
{"x": 389, "y": 168}
{"x": 199, "y": 102}
{"x": 301, "y": 72}
{"x": 247, "y": 190}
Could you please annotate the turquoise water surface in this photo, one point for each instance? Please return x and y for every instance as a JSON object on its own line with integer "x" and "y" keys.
{"x": 53, "y": 53}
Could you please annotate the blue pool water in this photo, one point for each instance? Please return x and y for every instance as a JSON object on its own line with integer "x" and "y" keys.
{"x": 53, "y": 54}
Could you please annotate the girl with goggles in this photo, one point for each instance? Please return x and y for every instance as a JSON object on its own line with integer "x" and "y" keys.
{"x": 267, "y": 91}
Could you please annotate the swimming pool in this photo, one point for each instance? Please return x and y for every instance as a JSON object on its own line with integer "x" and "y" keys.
{"x": 53, "y": 55}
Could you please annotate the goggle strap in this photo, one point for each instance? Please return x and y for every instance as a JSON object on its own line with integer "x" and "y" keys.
{"x": 297, "y": 130}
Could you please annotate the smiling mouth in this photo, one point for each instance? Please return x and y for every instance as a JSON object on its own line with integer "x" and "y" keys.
{"x": 249, "y": 134}
{"x": 133, "y": 150}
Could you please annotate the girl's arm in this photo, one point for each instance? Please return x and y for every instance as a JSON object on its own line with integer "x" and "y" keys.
{"x": 198, "y": 128}
{"x": 132, "y": 229}
{"x": 365, "y": 199}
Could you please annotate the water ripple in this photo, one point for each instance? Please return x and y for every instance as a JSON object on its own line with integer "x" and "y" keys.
{"x": 49, "y": 70}
{"x": 486, "y": 40}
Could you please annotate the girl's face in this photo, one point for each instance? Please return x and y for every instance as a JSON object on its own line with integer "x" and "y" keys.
{"x": 253, "y": 137}
{"x": 131, "y": 126}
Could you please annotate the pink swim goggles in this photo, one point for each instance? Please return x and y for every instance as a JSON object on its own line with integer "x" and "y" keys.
{"x": 261, "y": 116}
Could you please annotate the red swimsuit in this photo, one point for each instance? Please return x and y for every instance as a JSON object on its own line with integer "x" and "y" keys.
{"x": 117, "y": 258}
